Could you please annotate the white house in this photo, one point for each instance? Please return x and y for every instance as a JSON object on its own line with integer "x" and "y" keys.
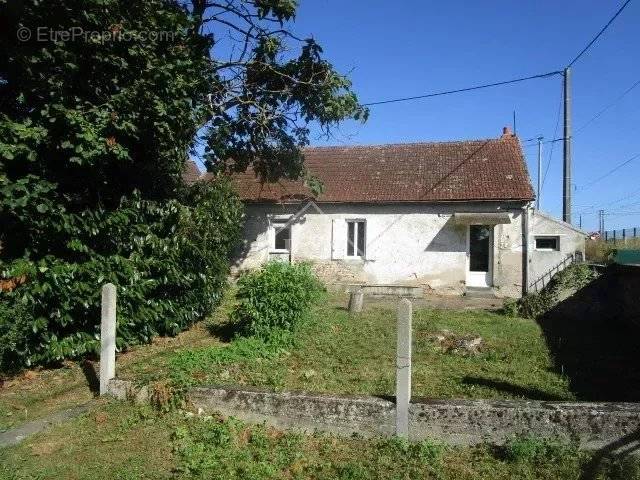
{"x": 443, "y": 216}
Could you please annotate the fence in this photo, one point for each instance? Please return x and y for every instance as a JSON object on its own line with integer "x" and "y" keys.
{"x": 622, "y": 235}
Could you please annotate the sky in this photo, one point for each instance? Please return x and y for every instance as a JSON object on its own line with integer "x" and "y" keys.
{"x": 410, "y": 47}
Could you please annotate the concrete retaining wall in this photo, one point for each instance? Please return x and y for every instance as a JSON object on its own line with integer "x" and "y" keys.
{"x": 458, "y": 422}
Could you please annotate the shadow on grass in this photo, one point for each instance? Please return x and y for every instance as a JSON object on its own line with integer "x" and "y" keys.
{"x": 225, "y": 331}
{"x": 594, "y": 340}
{"x": 91, "y": 375}
{"x": 616, "y": 451}
{"x": 511, "y": 389}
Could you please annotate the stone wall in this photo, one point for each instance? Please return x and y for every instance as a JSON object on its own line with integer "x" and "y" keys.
{"x": 458, "y": 422}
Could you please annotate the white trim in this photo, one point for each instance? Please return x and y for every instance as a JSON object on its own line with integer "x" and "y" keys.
{"x": 278, "y": 218}
{"x": 469, "y": 277}
{"x": 355, "y": 255}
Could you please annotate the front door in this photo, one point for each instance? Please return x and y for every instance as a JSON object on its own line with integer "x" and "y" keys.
{"x": 479, "y": 250}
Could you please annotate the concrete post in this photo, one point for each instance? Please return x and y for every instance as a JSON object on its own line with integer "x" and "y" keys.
{"x": 356, "y": 300}
{"x": 108, "y": 337}
{"x": 403, "y": 368}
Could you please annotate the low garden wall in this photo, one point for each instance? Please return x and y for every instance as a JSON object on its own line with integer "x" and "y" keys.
{"x": 457, "y": 422}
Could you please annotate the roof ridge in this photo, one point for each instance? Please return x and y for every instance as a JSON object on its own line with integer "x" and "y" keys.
{"x": 406, "y": 144}
{"x": 492, "y": 168}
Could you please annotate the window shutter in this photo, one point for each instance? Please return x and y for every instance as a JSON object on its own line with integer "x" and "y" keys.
{"x": 338, "y": 239}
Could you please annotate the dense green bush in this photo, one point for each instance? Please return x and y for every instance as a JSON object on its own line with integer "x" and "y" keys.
{"x": 168, "y": 260}
{"x": 534, "y": 305}
{"x": 95, "y": 128}
{"x": 94, "y": 136}
{"x": 15, "y": 333}
{"x": 276, "y": 297}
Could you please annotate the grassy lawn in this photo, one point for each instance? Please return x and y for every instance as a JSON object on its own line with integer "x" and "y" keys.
{"x": 121, "y": 441}
{"x": 331, "y": 353}
{"x": 36, "y": 393}
{"x": 356, "y": 355}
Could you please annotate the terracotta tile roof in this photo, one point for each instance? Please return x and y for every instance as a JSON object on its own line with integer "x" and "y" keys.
{"x": 191, "y": 173}
{"x": 492, "y": 169}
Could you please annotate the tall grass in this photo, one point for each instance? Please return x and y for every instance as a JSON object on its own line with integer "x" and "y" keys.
{"x": 601, "y": 251}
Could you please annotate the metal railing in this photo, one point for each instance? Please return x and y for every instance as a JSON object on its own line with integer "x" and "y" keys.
{"x": 546, "y": 277}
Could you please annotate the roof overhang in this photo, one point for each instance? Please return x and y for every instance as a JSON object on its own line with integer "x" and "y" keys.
{"x": 493, "y": 218}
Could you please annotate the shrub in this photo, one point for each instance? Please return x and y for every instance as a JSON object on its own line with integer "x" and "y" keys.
{"x": 15, "y": 334}
{"x": 537, "y": 304}
{"x": 276, "y": 297}
{"x": 534, "y": 305}
{"x": 168, "y": 260}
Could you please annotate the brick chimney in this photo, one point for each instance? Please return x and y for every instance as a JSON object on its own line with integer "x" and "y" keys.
{"x": 506, "y": 132}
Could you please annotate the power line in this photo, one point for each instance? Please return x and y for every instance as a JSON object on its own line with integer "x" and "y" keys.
{"x": 535, "y": 144}
{"x": 602, "y": 30}
{"x": 628, "y": 196}
{"x": 461, "y": 90}
{"x": 532, "y": 142}
{"x": 614, "y": 169}
{"x": 628, "y": 205}
{"x": 505, "y": 82}
{"x": 628, "y": 90}
{"x": 553, "y": 142}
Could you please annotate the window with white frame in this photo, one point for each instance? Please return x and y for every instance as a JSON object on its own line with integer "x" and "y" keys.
{"x": 281, "y": 234}
{"x": 356, "y": 238}
{"x": 548, "y": 243}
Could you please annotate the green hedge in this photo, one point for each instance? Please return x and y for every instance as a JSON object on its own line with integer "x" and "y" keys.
{"x": 168, "y": 260}
{"x": 275, "y": 298}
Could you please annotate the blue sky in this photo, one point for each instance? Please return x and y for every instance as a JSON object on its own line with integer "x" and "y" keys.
{"x": 404, "y": 48}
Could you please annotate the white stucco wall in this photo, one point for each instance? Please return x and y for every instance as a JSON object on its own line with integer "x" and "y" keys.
{"x": 407, "y": 244}
{"x": 544, "y": 262}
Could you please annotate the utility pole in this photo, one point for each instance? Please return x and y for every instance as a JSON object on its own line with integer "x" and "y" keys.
{"x": 580, "y": 224}
{"x": 566, "y": 179}
{"x": 601, "y": 215}
{"x": 539, "y": 193}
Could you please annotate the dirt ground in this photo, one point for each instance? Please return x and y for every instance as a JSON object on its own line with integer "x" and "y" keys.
{"x": 440, "y": 302}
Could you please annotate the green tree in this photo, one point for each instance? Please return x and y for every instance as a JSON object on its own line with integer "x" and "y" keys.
{"x": 100, "y": 108}
{"x": 269, "y": 87}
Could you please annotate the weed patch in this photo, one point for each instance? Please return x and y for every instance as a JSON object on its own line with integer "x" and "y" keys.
{"x": 534, "y": 305}
{"x": 189, "y": 365}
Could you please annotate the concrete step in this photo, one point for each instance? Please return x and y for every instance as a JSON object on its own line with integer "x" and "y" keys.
{"x": 480, "y": 292}
{"x": 390, "y": 290}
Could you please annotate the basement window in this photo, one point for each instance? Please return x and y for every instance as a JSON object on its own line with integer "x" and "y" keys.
{"x": 548, "y": 244}
{"x": 356, "y": 238}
